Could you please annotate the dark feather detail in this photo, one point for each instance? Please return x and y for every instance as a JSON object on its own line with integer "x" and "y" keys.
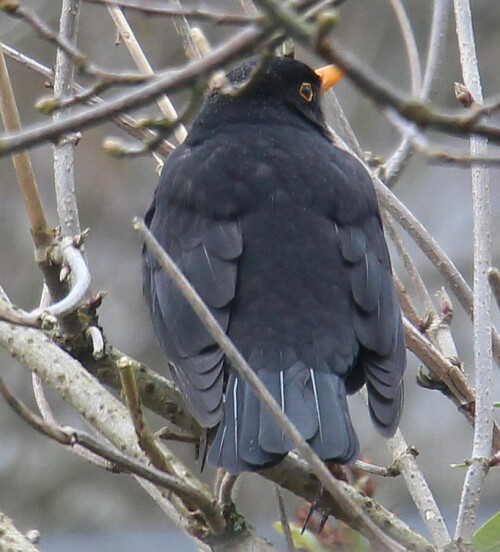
{"x": 291, "y": 391}
{"x": 352, "y": 243}
{"x": 335, "y": 439}
{"x": 366, "y": 282}
{"x": 375, "y": 329}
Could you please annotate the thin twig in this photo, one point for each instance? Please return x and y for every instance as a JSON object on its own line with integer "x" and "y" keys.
{"x": 416, "y": 280}
{"x": 437, "y": 38}
{"x": 146, "y": 438}
{"x": 285, "y": 524}
{"x": 127, "y": 34}
{"x": 225, "y": 488}
{"x": 39, "y": 226}
{"x": 411, "y": 46}
{"x": 367, "y": 467}
{"x": 67, "y": 46}
{"x": 125, "y": 122}
{"x": 396, "y": 162}
{"x": 359, "y": 518}
{"x": 481, "y": 452}
{"x": 433, "y": 251}
{"x": 183, "y": 29}
{"x": 404, "y": 460}
{"x": 242, "y": 43}
{"x": 494, "y": 280}
{"x": 159, "y": 8}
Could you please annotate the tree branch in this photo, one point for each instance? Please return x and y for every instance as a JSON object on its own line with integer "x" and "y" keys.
{"x": 125, "y": 122}
{"x": 64, "y": 166}
{"x": 483, "y": 428}
{"x": 12, "y": 539}
{"x": 127, "y": 35}
{"x": 40, "y": 229}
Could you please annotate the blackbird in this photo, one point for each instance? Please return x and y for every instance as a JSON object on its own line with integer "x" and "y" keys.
{"x": 279, "y": 232}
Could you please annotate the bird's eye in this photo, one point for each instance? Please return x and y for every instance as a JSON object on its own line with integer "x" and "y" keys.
{"x": 306, "y": 91}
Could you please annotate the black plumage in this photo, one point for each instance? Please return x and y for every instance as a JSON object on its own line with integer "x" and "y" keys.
{"x": 279, "y": 232}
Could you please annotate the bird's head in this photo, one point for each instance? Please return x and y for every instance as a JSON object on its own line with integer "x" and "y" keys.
{"x": 283, "y": 81}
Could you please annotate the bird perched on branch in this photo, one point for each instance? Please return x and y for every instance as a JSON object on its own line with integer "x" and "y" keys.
{"x": 279, "y": 232}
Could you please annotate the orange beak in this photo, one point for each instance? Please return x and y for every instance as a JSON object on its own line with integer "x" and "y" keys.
{"x": 329, "y": 75}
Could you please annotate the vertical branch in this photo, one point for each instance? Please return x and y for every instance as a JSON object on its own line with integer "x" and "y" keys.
{"x": 40, "y": 228}
{"x": 64, "y": 171}
{"x": 483, "y": 428}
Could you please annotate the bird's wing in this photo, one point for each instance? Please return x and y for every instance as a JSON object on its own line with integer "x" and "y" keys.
{"x": 376, "y": 313}
{"x": 206, "y": 249}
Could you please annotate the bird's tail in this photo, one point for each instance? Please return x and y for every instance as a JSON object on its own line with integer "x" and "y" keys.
{"x": 248, "y": 438}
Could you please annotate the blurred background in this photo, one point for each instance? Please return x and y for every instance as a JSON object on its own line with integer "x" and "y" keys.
{"x": 75, "y": 505}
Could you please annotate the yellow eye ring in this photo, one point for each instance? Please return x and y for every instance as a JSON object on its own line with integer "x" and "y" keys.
{"x": 306, "y": 91}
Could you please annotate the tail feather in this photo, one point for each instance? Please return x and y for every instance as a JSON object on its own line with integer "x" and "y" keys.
{"x": 291, "y": 391}
{"x": 335, "y": 439}
{"x": 248, "y": 437}
{"x": 224, "y": 451}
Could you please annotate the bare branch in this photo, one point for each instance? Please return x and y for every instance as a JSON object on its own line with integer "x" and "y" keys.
{"x": 64, "y": 166}
{"x": 297, "y": 476}
{"x": 146, "y": 438}
{"x": 64, "y": 374}
{"x": 125, "y": 122}
{"x": 12, "y": 539}
{"x": 411, "y": 47}
{"x": 284, "y": 520}
{"x": 15, "y": 9}
{"x": 494, "y": 280}
{"x": 478, "y": 468}
{"x": 242, "y": 43}
{"x": 127, "y": 34}
{"x": 419, "y": 490}
{"x": 39, "y": 226}
{"x": 433, "y": 252}
{"x": 159, "y": 8}
{"x": 225, "y": 488}
{"x": 71, "y": 436}
{"x": 397, "y": 161}
{"x": 409, "y": 265}
{"x": 436, "y": 42}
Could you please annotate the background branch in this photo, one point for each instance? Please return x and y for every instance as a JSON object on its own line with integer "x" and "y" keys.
{"x": 481, "y": 452}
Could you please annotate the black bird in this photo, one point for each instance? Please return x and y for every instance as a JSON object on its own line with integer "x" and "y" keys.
{"x": 279, "y": 232}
